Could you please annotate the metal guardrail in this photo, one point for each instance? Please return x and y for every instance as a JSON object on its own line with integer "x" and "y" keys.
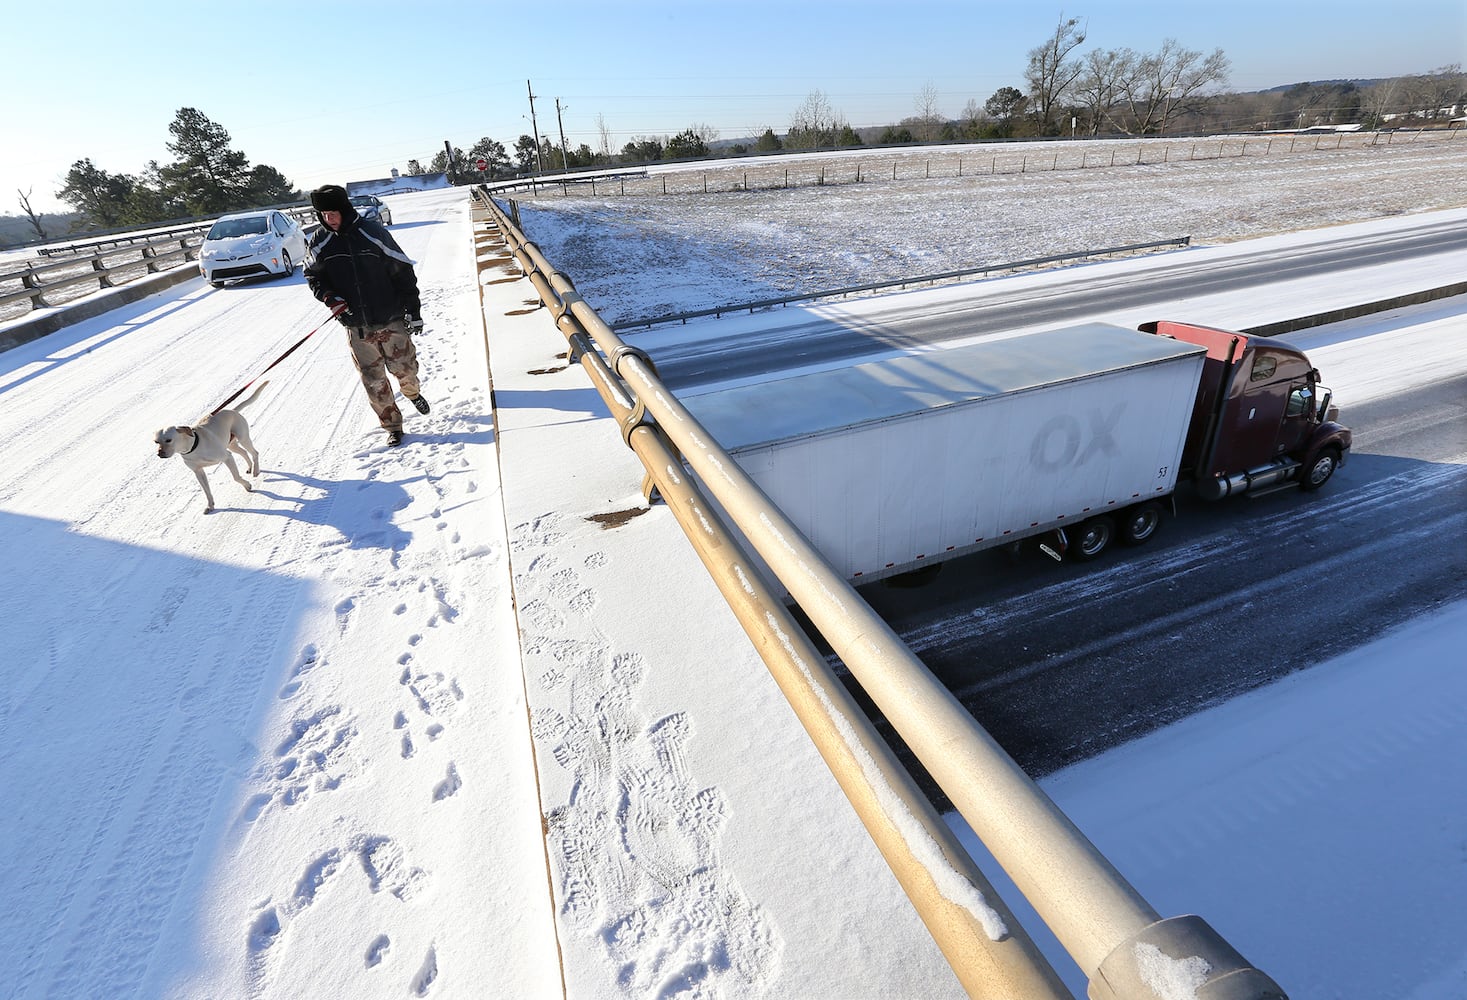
{"x": 124, "y": 239}
{"x": 106, "y": 269}
{"x": 109, "y": 262}
{"x": 876, "y": 286}
{"x": 1111, "y": 932}
{"x": 131, "y": 236}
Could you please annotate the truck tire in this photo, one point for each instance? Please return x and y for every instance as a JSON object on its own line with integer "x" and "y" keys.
{"x": 1140, "y": 522}
{"x": 1320, "y": 469}
{"x": 1092, "y": 538}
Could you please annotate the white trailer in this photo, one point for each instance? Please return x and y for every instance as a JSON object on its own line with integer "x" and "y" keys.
{"x": 893, "y": 465}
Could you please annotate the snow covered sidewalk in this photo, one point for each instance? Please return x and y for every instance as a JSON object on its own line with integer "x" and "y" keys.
{"x": 281, "y": 750}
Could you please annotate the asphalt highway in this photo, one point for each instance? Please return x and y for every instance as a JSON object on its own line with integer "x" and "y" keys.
{"x": 1061, "y": 661}
{"x": 792, "y": 338}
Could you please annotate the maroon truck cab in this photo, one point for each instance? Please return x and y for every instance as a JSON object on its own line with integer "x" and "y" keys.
{"x": 1261, "y": 417}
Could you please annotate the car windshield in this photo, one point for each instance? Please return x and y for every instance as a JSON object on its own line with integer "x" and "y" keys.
{"x": 228, "y": 229}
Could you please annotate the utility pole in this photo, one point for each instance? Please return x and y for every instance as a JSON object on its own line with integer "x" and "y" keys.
{"x": 539, "y": 161}
{"x": 564, "y": 162}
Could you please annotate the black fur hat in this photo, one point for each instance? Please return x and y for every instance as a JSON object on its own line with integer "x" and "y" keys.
{"x": 332, "y": 198}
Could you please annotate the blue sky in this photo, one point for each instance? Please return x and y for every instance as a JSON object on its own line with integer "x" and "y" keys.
{"x": 346, "y": 91}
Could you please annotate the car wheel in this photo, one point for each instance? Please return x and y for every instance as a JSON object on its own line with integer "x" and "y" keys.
{"x": 1319, "y": 471}
{"x": 216, "y": 284}
{"x": 289, "y": 264}
{"x": 1140, "y": 522}
{"x": 1092, "y": 538}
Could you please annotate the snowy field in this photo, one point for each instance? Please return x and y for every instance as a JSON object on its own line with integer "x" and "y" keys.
{"x": 282, "y": 751}
{"x": 647, "y": 255}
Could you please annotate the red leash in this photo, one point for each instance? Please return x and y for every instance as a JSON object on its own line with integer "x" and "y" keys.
{"x": 340, "y": 308}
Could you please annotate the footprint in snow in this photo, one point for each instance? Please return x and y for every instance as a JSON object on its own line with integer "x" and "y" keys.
{"x": 449, "y": 785}
{"x": 377, "y": 950}
{"x": 423, "y": 981}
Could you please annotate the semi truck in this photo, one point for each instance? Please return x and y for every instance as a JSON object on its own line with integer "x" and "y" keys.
{"x": 1075, "y": 437}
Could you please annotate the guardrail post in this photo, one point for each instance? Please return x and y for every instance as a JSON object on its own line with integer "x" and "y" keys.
{"x": 32, "y": 280}
{"x": 101, "y": 269}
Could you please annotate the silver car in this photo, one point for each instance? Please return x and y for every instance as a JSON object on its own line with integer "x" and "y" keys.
{"x": 369, "y": 206}
{"x": 251, "y": 244}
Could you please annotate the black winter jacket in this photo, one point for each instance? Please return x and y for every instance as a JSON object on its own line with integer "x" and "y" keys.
{"x": 363, "y": 264}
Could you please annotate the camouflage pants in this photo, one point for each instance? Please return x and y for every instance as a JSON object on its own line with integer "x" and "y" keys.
{"x": 377, "y": 352}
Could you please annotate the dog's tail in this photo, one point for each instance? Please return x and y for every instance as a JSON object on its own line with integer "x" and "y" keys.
{"x": 252, "y": 396}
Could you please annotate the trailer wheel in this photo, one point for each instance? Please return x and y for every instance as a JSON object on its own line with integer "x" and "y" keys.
{"x": 1092, "y": 538}
{"x": 1140, "y": 522}
{"x": 1318, "y": 472}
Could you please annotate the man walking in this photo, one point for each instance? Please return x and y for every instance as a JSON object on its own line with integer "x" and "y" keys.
{"x": 357, "y": 268}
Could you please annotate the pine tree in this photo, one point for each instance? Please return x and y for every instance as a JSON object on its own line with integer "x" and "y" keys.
{"x": 209, "y": 177}
{"x": 98, "y": 195}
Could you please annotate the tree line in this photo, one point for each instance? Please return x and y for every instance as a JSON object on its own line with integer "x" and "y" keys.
{"x": 208, "y": 177}
{"x": 1066, "y": 92}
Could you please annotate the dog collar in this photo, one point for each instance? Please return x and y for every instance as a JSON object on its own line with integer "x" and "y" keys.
{"x": 195, "y": 444}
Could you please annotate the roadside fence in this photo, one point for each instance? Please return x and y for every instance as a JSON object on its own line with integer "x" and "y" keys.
{"x": 860, "y": 165}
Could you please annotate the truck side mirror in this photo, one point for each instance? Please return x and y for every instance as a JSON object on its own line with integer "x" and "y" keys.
{"x": 1298, "y": 402}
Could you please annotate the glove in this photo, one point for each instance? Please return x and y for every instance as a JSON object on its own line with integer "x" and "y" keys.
{"x": 413, "y": 323}
{"x": 339, "y": 308}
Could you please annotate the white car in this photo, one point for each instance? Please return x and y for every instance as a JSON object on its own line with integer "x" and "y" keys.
{"x": 251, "y": 244}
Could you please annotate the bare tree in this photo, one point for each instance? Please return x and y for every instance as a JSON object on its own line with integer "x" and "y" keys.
{"x": 928, "y": 121}
{"x": 604, "y": 131}
{"x": 1171, "y": 81}
{"x": 1051, "y": 71}
{"x": 35, "y": 220}
{"x": 1307, "y": 104}
{"x": 972, "y": 116}
{"x": 1380, "y": 100}
{"x": 1258, "y": 110}
{"x": 814, "y": 123}
{"x": 1105, "y": 76}
{"x": 1438, "y": 93}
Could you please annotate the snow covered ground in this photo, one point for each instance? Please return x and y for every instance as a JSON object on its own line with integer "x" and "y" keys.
{"x": 284, "y": 750}
{"x": 641, "y": 256}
